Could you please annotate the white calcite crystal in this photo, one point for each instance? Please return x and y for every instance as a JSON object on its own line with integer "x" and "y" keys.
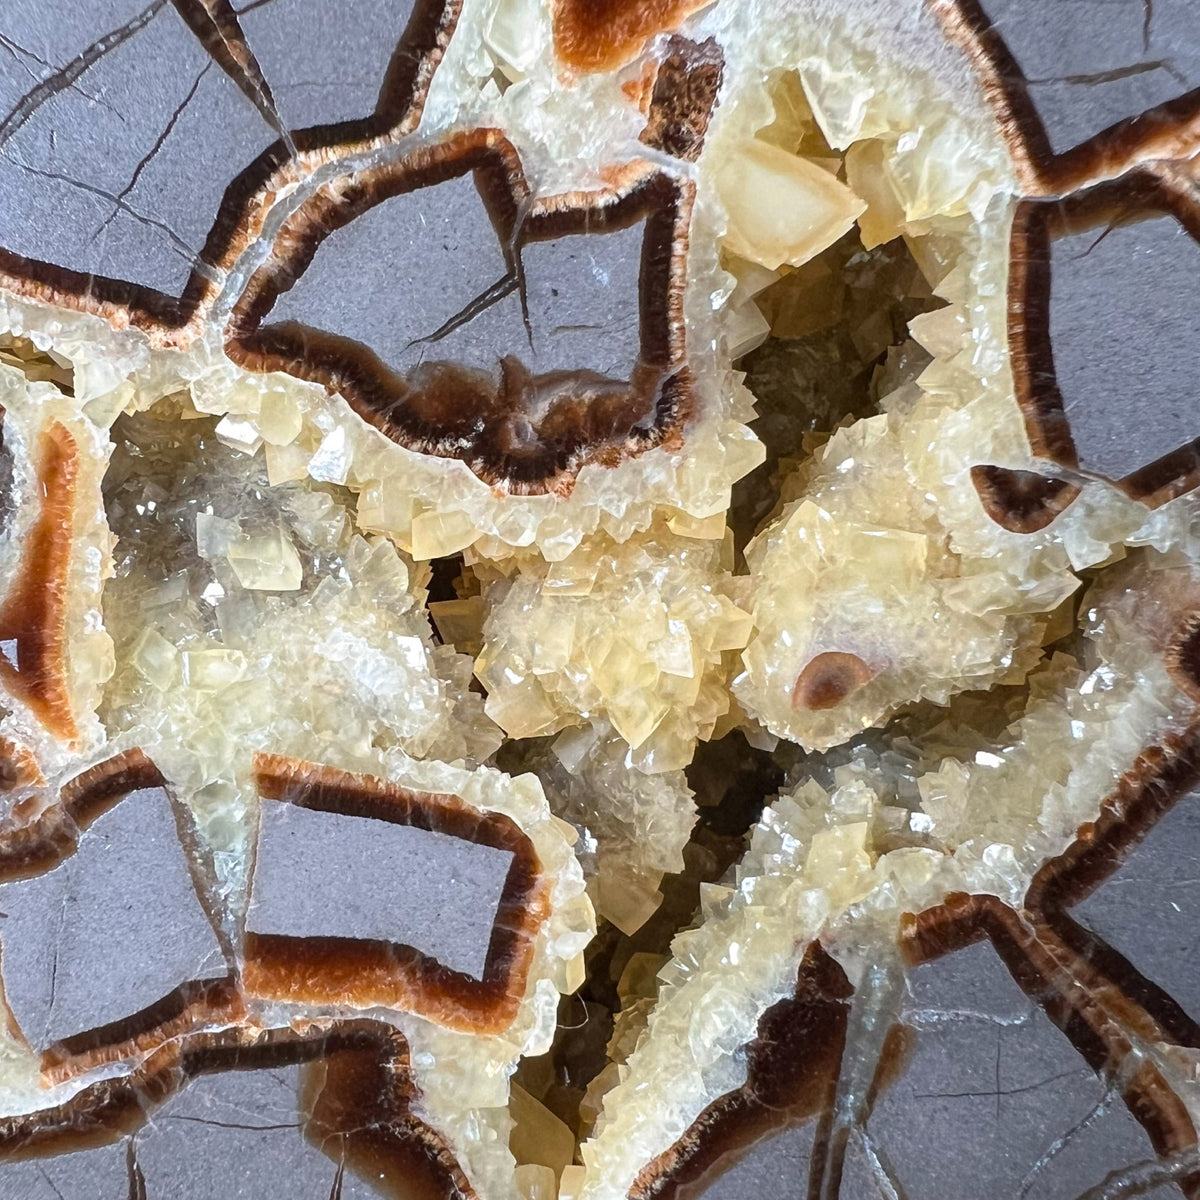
{"x": 633, "y": 826}
{"x": 209, "y": 631}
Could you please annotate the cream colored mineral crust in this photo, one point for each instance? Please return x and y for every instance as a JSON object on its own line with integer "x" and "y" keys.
{"x": 639, "y": 634}
{"x": 842, "y": 863}
{"x": 633, "y": 827}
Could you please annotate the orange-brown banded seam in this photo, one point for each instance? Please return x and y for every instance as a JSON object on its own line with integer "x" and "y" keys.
{"x": 368, "y": 972}
{"x": 33, "y": 664}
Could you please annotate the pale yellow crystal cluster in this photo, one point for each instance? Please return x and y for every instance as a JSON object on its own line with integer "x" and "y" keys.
{"x": 639, "y": 635}
{"x": 843, "y": 862}
{"x": 633, "y": 826}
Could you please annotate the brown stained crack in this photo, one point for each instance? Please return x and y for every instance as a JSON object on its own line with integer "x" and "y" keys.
{"x": 493, "y": 295}
{"x": 1165, "y": 131}
{"x": 1114, "y": 74}
{"x": 601, "y": 35}
{"x": 363, "y": 972}
{"x": 1146, "y": 192}
{"x": 527, "y": 432}
{"x": 686, "y": 87}
{"x": 33, "y": 651}
{"x": 137, "y": 1181}
{"x": 65, "y": 76}
{"x": 356, "y": 1105}
{"x": 150, "y": 154}
{"x": 1021, "y": 501}
{"x": 120, "y": 204}
{"x": 21, "y": 53}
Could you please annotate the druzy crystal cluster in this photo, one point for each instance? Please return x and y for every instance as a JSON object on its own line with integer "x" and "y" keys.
{"x": 599, "y": 599}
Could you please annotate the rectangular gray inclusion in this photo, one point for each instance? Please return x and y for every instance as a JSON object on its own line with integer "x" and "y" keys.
{"x": 110, "y": 931}
{"x": 1125, "y": 329}
{"x": 402, "y": 270}
{"x": 322, "y": 874}
{"x": 1092, "y": 63}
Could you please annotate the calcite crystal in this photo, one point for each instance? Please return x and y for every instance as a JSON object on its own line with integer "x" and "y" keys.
{"x": 599, "y": 601}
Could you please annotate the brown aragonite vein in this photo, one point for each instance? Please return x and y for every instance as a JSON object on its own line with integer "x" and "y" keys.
{"x": 354, "y": 1104}
{"x": 1095, "y": 215}
{"x": 256, "y": 174}
{"x": 791, "y": 1076}
{"x": 1166, "y": 130}
{"x": 1092, "y": 993}
{"x": 39, "y": 839}
{"x": 370, "y": 971}
{"x": 1097, "y": 1017}
{"x": 360, "y": 1105}
{"x": 33, "y": 651}
{"x": 601, "y": 35}
{"x": 1021, "y": 501}
{"x": 476, "y": 388}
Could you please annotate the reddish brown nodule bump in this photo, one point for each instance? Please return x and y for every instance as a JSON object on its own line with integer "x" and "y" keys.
{"x": 364, "y": 972}
{"x": 599, "y": 35}
{"x": 684, "y": 96}
{"x": 828, "y": 679}
{"x": 33, "y": 652}
{"x": 1021, "y": 501}
{"x": 359, "y": 1110}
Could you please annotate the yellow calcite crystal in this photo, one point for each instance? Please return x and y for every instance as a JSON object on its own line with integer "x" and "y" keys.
{"x": 639, "y": 634}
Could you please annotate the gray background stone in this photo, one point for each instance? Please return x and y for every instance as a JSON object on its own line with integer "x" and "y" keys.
{"x": 111, "y": 930}
{"x": 1092, "y": 63}
{"x": 321, "y": 874}
{"x": 1125, "y": 332}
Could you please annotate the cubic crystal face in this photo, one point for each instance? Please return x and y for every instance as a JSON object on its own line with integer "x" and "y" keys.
{"x": 599, "y": 601}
